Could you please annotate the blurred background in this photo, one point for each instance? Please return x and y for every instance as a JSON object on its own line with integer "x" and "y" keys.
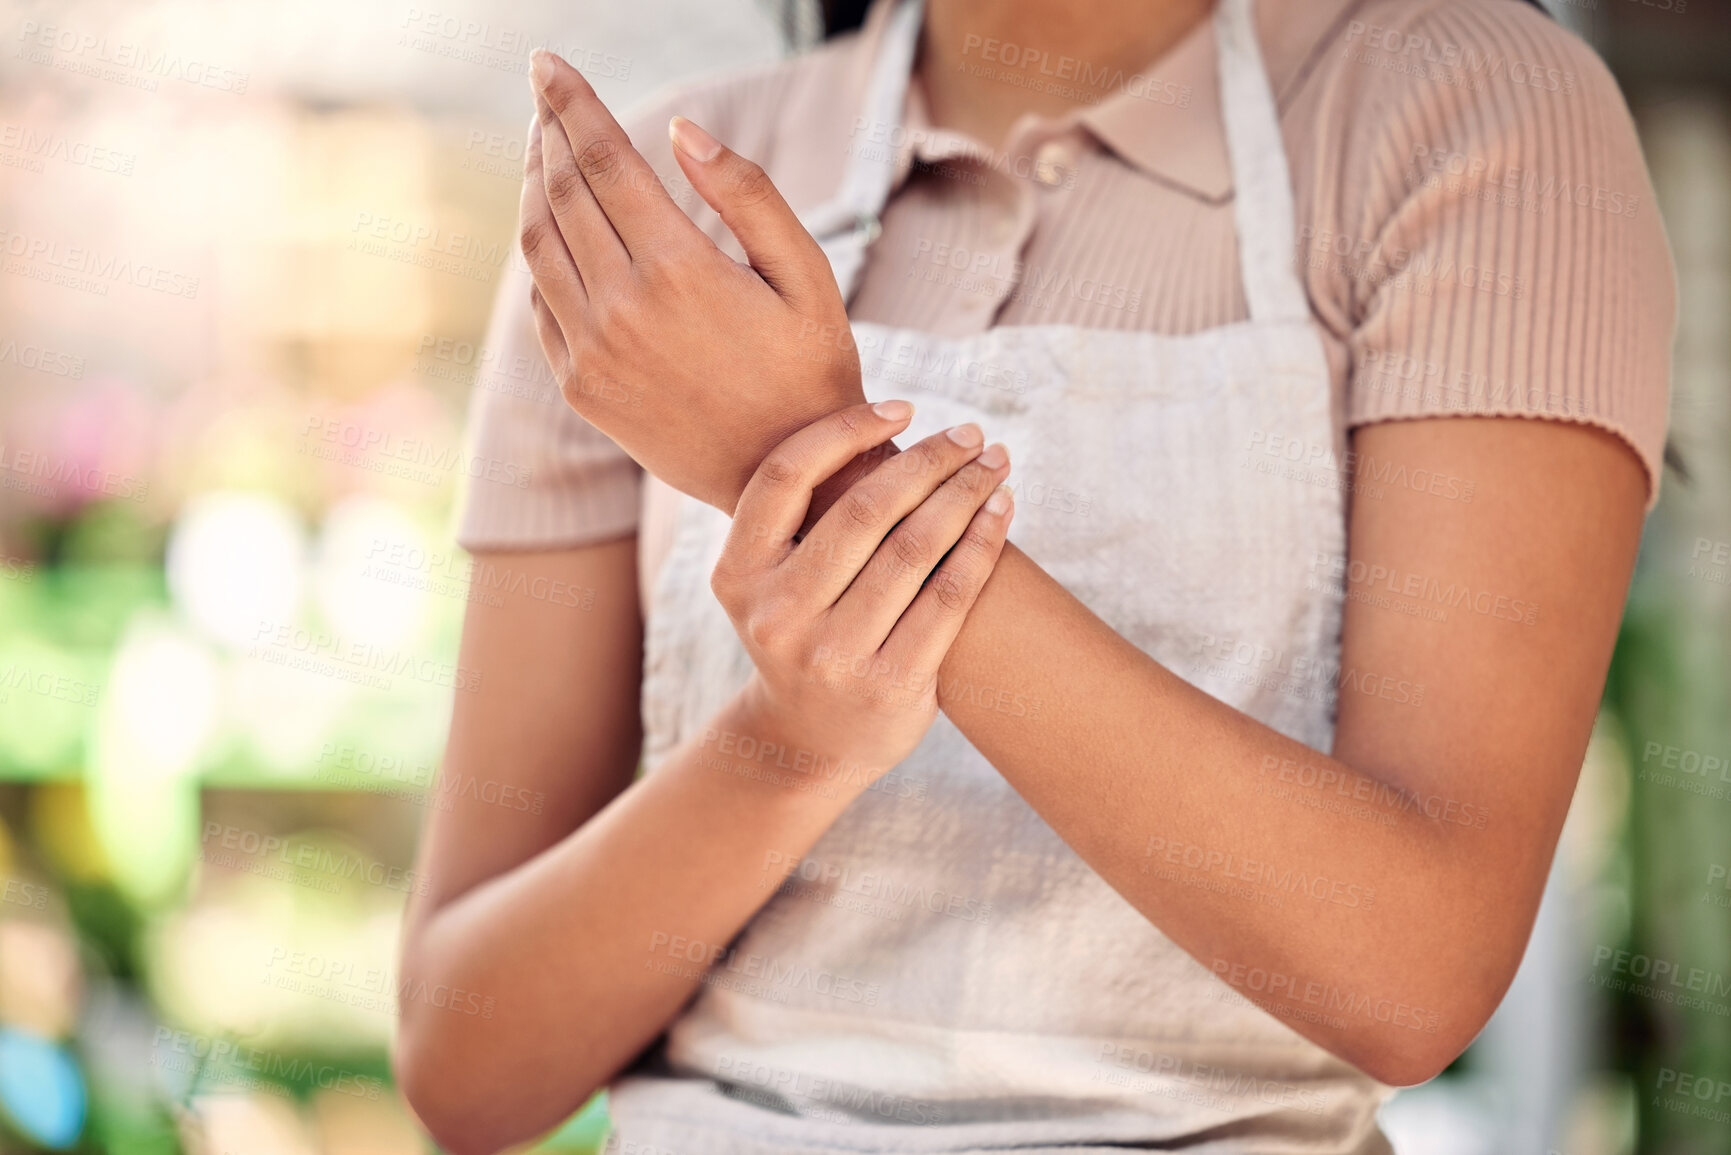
{"x": 247, "y": 253}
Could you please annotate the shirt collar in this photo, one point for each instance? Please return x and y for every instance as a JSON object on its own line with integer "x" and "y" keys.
{"x": 1166, "y": 120}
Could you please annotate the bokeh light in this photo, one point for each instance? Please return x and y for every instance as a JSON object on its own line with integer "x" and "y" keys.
{"x": 235, "y": 564}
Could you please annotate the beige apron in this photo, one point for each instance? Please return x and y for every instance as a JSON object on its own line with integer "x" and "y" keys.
{"x": 942, "y": 972}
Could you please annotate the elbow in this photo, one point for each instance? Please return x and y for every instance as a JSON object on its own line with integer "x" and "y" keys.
{"x": 1407, "y": 1063}
{"x": 1407, "y": 1054}
{"x": 442, "y": 1091}
{"x": 464, "y": 1091}
{"x": 1448, "y": 1001}
{"x": 429, "y": 1084}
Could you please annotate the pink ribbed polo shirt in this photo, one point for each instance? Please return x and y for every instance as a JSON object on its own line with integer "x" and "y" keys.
{"x": 1476, "y": 230}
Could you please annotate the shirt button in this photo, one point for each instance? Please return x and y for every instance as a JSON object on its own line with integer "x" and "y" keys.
{"x": 1049, "y": 163}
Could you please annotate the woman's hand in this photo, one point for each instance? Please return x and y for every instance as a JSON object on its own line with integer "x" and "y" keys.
{"x": 848, "y": 625}
{"x": 694, "y": 363}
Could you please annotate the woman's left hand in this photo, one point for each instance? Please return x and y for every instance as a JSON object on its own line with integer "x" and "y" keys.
{"x": 695, "y": 364}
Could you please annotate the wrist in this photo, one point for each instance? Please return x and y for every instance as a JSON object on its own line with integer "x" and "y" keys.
{"x": 754, "y": 742}
{"x": 830, "y": 490}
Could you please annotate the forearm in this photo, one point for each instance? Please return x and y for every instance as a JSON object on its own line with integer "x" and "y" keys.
{"x": 1177, "y": 800}
{"x": 587, "y": 951}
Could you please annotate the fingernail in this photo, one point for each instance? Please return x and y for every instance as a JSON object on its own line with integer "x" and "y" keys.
{"x": 967, "y": 436}
{"x": 692, "y": 141}
{"x": 540, "y": 68}
{"x": 893, "y": 410}
{"x": 999, "y": 503}
{"x": 995, "y": 456}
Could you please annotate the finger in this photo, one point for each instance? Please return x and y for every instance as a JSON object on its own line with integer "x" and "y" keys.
{"x": 553, "y": 343}
{"x": 775, "y": 500}
{"x": 620, "y": 182}
{"x": 774, "y": 240}
{"x": 844, "y": 539}
{"x": 925, "y": 632}
{"x": 892, "y": 579}
{"x": 544, "y": 251}
{"x": 601, "y": 257}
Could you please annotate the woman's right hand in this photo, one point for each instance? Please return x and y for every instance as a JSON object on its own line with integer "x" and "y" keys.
{"x": 694, "y": 363}
{"x": 587, "y": 924}
{"x": 848, "y": 625}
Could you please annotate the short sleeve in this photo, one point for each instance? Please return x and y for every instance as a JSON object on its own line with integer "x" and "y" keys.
{"x": 1499, "y": 238}
{"x": 570, "y": 485}
{"x": 559, "y": 482}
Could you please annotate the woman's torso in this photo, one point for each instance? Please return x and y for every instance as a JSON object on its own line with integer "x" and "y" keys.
{"x": 941, "y": 948}
{"x": 1132, "y": 231}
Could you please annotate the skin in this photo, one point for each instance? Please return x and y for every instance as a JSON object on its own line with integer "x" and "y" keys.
{"x": 1125, "y": 760}
{"x": 609, "y": 870}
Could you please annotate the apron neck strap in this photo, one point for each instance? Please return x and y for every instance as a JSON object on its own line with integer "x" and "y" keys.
{"x": 848, "y": 222}
{"x": 1262, "y": 185}
{"x": 1262, "y": 202}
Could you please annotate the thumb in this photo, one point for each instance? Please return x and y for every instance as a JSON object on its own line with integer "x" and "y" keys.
{"x": 774, "y": 240}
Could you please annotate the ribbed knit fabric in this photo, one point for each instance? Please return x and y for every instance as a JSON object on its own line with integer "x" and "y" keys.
{"x": 1476, "y": 227}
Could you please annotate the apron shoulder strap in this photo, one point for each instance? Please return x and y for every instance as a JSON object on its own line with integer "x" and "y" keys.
{"x": 1263, "y": 205}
